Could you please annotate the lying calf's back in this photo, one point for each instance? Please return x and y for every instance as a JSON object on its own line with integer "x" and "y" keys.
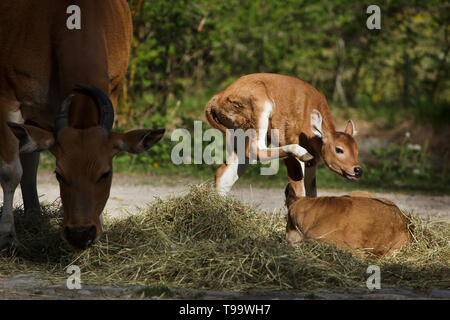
{"x": 376, "y": 225}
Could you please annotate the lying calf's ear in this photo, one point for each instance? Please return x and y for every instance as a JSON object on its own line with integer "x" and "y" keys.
{"x": 31, "y": 138}
{"x": 136, "y": 141}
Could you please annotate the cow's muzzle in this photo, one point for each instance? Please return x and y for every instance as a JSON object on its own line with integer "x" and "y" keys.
{"x": 80, "y": 237}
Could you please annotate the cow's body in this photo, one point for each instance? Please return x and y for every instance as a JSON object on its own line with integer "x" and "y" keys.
{"x": 358, "y": 222}
{"x": 41, "y": 60}
{"x": 265, "y": 101}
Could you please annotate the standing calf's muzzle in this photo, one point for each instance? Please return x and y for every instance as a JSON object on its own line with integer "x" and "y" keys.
{"x": 81, "y": 237}
{"x": 358, "y": 172}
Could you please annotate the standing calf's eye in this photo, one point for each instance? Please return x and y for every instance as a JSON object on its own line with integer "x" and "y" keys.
{"x": 339, "y": 150}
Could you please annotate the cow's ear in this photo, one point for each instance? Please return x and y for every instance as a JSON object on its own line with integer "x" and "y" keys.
{"x": 136, "y": 141}
{"x": 31, "y": 138}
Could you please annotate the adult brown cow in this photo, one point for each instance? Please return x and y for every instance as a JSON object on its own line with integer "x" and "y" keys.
{"x": 41, "y": 61}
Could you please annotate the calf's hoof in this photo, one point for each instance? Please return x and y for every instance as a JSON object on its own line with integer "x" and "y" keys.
{"x": 306, "y": 157}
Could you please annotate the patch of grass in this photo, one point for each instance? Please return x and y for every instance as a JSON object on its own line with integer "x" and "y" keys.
{"x": 205, "y": 241}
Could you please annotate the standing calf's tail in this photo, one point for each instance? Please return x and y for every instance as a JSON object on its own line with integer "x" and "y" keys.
{"x": 211, "y": 116}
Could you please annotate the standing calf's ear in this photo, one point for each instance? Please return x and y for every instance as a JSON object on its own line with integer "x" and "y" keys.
{"x": 350, "y": 129}
{"x": 31, "y": 138}
{"x": 136, "y": 141}
{"x": 316, "y": 123}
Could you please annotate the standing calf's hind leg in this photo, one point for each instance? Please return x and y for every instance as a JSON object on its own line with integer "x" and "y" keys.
{"x": 259, "y": 146}
{"x": 229, "y": 173}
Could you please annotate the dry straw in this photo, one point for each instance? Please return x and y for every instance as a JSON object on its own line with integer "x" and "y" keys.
{"x": 204, "y": 241}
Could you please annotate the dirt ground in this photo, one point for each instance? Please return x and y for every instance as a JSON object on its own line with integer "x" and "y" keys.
{"x": 128, "y": 193}
{"x": 27, "y": 287}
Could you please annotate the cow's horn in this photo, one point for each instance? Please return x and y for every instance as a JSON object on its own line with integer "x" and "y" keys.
{"x": 103, "y": 102}
{"x": 62, "y": 118}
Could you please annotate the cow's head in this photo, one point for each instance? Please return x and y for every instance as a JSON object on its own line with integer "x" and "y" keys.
{"x": 84, "y": 162}
{"x": 339, "y": 149}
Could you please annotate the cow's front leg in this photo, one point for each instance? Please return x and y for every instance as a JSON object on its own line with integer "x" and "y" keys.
{"x": 30, "y": 163}
{"x": 10, "y": 174}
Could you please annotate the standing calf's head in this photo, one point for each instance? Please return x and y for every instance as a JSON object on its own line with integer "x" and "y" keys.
{"x": 84, "y": 162}
{"x": 339, "y": 150}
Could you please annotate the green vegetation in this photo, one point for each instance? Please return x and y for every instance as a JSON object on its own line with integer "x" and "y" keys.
{"x": 184, "y": 51}
{"x": 204, "y": 241}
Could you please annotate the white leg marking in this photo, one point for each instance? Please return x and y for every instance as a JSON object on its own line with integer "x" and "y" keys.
{"x": 231, "y": 174}
{"x": 302, "y": 164}
{"x": 263, "y": 125}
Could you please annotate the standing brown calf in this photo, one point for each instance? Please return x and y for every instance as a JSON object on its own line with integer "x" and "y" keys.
{"x": 299, "y": 112}
{"x": 357, "y": 221}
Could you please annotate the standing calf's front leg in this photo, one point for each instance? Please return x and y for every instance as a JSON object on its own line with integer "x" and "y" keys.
{"x": 310, "y": 181}
{"x": 301, "y": 177}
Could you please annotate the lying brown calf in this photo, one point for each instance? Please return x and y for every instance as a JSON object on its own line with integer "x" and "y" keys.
{"x": 357, "y": 221}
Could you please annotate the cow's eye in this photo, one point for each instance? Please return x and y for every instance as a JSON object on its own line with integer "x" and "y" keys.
{"x": 105, "y": 176}
{"x": 59, "y": 177}
{"x": 339, "y": 150}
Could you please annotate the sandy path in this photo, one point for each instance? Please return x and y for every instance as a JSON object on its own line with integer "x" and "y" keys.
{"x": 127, "y": 193}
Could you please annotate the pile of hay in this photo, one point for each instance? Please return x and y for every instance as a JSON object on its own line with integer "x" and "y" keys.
{"x": 205, "y": 241}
